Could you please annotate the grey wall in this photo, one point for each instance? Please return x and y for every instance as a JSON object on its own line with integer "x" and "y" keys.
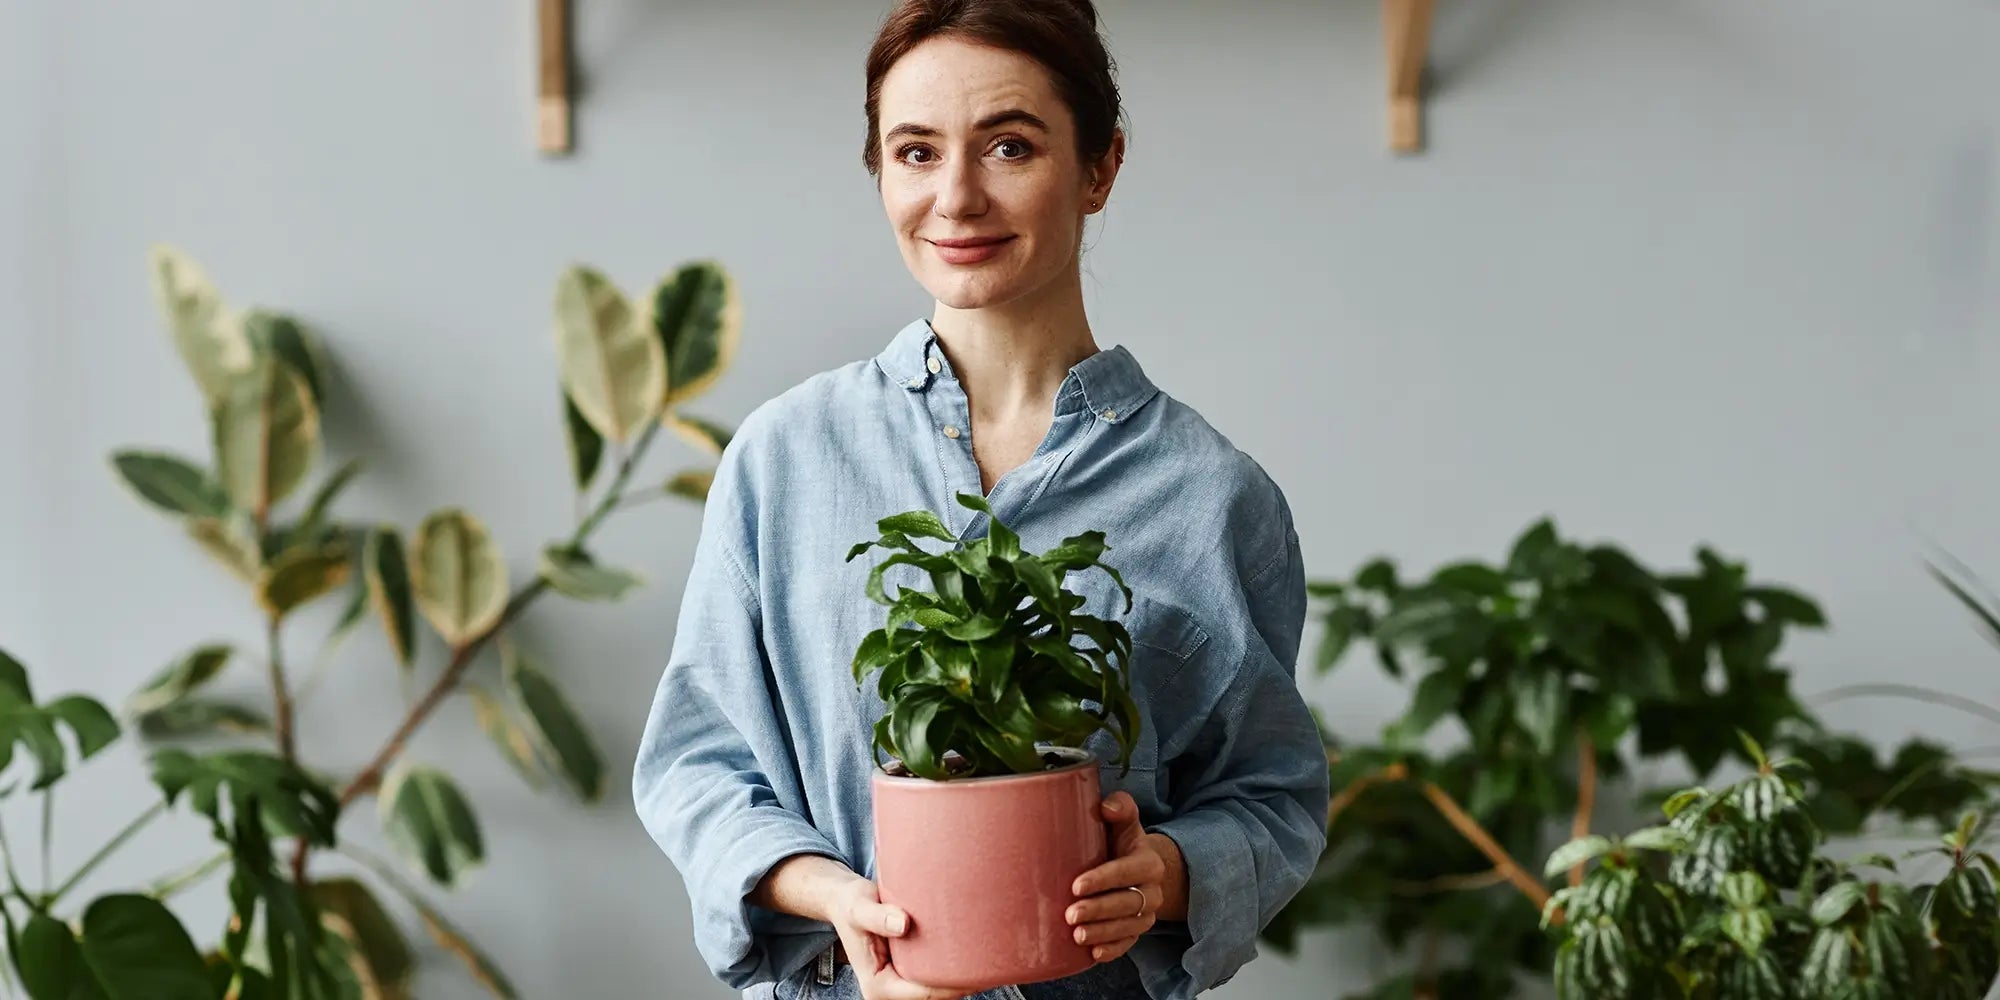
{"x": 1672, "y": 271}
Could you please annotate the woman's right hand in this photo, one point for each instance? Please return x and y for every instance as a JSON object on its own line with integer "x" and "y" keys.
{"x": 865, "y": 924}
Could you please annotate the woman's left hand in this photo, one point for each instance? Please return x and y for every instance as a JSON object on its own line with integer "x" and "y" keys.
{"x": 1107, "y": 914}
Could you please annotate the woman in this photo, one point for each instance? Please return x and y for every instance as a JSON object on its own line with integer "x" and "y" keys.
{"x": 992, "y": 135}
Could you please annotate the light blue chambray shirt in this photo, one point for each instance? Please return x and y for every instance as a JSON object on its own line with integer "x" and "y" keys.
{"x": 758, "y": 742}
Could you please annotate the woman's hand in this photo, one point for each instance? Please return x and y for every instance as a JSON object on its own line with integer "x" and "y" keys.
{"x": 1108, "y": 915}
{"x": 865, "y": 924}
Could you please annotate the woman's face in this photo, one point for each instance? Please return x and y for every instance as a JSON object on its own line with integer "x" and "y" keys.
{"x": 981, "y": 177}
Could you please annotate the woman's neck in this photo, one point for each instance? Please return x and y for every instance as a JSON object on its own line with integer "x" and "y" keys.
{"x": 1012, "y": 359}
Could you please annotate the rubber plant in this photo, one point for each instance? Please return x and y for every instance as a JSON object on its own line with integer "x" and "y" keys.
{"x": 1536, "y": 681}
{"x": 1732, "y": 899}
{"x": 625, "y": 370}
{"x": 997, "y": 656}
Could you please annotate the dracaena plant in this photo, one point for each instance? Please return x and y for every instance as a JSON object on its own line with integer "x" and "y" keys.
{"x": 1537, "y": 680}
{"x": 625, "y": 369}
{"x": 1732, "y": 899}
{"x": 996, "y": 656}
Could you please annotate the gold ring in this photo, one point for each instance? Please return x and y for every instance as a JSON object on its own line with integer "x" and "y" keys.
{"x": 1142, "y": 900}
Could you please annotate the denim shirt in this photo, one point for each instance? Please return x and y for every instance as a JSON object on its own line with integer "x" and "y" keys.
{"x": 758, "y": 742}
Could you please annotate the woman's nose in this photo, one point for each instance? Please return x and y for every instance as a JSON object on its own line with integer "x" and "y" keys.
{"x": 961, "y": 191}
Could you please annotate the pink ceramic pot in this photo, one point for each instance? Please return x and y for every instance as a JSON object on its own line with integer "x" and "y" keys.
{"x": 985, "y": 868}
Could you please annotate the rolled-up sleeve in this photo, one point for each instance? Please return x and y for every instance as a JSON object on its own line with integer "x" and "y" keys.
{"x": 1254, "y": 825}
{"x": 714, "y": 782}
{"x": 1248, "y": 796}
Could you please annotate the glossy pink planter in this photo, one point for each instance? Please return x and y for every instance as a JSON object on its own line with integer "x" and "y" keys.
{"x": 985, "y": 868}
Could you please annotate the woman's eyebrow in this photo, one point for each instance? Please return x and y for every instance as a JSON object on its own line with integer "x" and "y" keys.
{"x": 1011, "y": 116}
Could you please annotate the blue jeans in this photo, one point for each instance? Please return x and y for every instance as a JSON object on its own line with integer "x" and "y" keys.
{"x": 1114, "y": 980}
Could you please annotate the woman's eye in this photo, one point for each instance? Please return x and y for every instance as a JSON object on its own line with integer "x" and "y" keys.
{"x": 921, "y": 154}
{"x": 1019, "y": 149}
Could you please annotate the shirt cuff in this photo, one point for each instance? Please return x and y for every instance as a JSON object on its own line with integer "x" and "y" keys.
{"x": 1222, "y": 904}
{"x": 747, "y": 944}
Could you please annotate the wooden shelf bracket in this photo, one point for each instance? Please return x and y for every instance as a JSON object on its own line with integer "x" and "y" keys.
{"x": 552, "y": 127}
{"x": 1406, "y": 40}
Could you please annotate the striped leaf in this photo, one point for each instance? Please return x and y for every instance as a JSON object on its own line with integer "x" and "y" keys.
{"x": 458, "y": 577}
{"x": 171, "y": 484}
{"x": 209, "y": 338}
{"x": 613, "y": 367}
{"x": 698, "y": 318}
{"x": 429, "y": 822}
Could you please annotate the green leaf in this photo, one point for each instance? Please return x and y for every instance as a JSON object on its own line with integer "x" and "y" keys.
{"x": 180, "y": 678}
{"x": 910, "y": 727}
{"x": 139, "y": 951}
{"x": 706, "y": 435}
{"x": 1540, "y": 700}
{"x": 388, "y": 576}
{"x": 921, "y": 523}
{"x": 302, "y": 575}
{"x": 1436, "y": 694}
{"x": 33, "y": 726}
{"x": 1743, "y": 889}
{"x": 1655, "y": 838}
{"x": 699, "y": 319}
{"x": 266, "y": 436}
{"x": 201, "y": 717}
{"x": 1988, "y": 615}
{"x": 1787, "y": 605}
{"x": 613, "y": 368}
{"x": 322, "y": 499}
{"x": 282, "y": 337}
{"x": 586, "y": 446}
{"x": 428, "y": 821}
{"x": 572, "y": 573}
{"x": 171, "y": 484}
{"x": 209, "y": 338}
{"x": 1833, "y": 905}
{"x": 555, "y": 726}
{"x": 1749, "y": 928}
{"x": 350, "y": 908}
{"x": 458, "y": 577}
{"x": 1576, "y": 852}
{"x": 51, "y": 963}
{"x": 692, "y": 484}
{"x": 509, "y": 735}
{"x": 228, "y": 541}
{"x": 282, "y": 794}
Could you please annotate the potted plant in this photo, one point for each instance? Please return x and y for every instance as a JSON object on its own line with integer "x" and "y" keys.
{"x": 987, "y": 811}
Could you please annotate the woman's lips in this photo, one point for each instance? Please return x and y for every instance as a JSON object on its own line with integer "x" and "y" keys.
{"x": 970, "y": 250}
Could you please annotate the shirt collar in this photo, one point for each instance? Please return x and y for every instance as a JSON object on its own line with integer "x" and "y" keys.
{"x": 1110, "y": 383}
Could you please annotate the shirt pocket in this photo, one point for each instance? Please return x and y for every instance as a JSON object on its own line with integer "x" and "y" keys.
{"x": 1166, "y": 639}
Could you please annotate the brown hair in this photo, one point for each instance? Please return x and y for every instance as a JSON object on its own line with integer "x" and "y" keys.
{"x": 1059, "y": 34}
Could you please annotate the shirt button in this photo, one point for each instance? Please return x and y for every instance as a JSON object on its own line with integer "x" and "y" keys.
{"x": 934, "y": 365}
{"x": 1110, "y": 414}
{"x": 950, "y": 431}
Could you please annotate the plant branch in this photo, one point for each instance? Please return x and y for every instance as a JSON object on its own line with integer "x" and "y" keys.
{"x": 1394, "y": 772}
{"x": 1586, "y": 795}
{"x": 180, "y": 880}
{"x": 1449, "y": 883}
{"x": 281, "y": 692}
{"x": 118, "y": 840}
{"x": 1504, "y": 864}
{"x": 1470, "y": 829}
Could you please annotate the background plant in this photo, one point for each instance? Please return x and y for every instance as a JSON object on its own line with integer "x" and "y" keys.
{"x": 625, "y": 370}
{"x": 984, "y": 663}
{"x": 1731, "y": 900}
{"x": 1561, "y": 667}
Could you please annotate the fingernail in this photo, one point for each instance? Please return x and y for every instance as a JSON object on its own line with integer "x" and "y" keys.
{"x": 901, "y": 922}
{"x": 1079, "y": 935}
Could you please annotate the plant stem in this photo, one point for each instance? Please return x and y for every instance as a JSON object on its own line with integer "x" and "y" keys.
{"x": 180, "y": 880}
{"x": 1913, "y": 692}
{"x": 1503, "y": 862}
{"x": 369, "y": 777}
{"x": 287, "y": 736}
{"x": 13, "y": 880}
{"x": 118, "y": 840}
{"x": 1394, "y": 772}
{"x": 48, "y": 829}
{"x": 1586, "y": 795}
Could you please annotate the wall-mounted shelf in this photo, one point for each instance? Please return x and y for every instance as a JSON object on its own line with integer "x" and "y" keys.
{"x": 1406, "y": 40}
{"x": 552, "y": 116}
